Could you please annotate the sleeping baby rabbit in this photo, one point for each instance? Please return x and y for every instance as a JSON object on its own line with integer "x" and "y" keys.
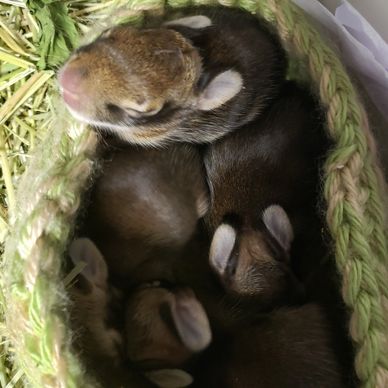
{"x": 263, "y": 182}
{"x": 289, "y": 347}
{"x": 190, "y": 79}
{"x": 144, "y": 208}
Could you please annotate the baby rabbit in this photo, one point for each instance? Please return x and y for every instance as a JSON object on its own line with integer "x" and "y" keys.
{"x": 95, "y": 322}
{"x": 290, "y": 347}
{"x": 263, "y": 183}
{"x": 282, "y": 345}
{"x": 192, "y": 79}
{"x": 165, "y": 327}
{"x": 144, "y": 209}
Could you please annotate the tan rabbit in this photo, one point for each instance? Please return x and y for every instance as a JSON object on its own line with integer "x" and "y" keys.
{"x": 192, "y": 79}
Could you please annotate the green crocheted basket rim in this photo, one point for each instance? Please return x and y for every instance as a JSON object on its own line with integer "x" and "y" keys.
{"x": 50, "y": 195}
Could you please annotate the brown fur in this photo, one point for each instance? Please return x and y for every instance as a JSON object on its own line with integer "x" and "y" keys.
{"x": 274, "y": 160}
{"x": 243, "y": 42}
{"x": 155, "y": 329}
{"x": 144, "y": 209}
{"x": 159, "y": 73}
{"x": 153, "y": 338}
{"x": 252, "y": 348}
{"x": 128, "y": 68}
{"x": 99, "y": 342}
{"x": 90, "y": 311}
{"x": 260, "y": 276}
{"x": 287, "y": 348}
{"x": 226, "y": 308}
{"x": 152, "y": 342}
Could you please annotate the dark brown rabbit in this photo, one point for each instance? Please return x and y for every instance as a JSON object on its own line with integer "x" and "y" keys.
{"x": 144, "y": 208}
{"x": 264, "y": 182}
{"x": 164, "y": 327}
{"x": 190, "y": 79}
{"x": 290, "y": 347}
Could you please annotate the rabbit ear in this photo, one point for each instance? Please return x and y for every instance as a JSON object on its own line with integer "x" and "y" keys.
{"x": 220, "y": 90}
{"x": 169, "y": 378}
{"x": 195, "y": 22}
{"x": 190, "y": 321}
{"x": 202, "y": 203}
{"x": 221, "y": 247}
{"x": 278, "y": 224}
{"x": 95, "y": 270}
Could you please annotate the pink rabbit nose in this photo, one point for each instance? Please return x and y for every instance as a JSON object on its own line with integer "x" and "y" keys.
{"x": 70, "y": 80}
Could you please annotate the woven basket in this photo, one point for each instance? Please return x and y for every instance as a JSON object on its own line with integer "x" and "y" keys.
{"x": 50, "y": 194}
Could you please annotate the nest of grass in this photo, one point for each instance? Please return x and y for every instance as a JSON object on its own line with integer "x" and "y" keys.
{"x": 36, "y": 36}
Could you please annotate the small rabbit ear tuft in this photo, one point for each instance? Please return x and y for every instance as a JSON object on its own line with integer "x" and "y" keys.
{"x": 195, "y": 22}
{"x": 95, "y": 270}
{"x": 278, "y": 224}
{"x": 169, "y": 378}
{"x": 191, "y": 321}
{"x": 221, "y": 247}
{"x": 222, "y": 88}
